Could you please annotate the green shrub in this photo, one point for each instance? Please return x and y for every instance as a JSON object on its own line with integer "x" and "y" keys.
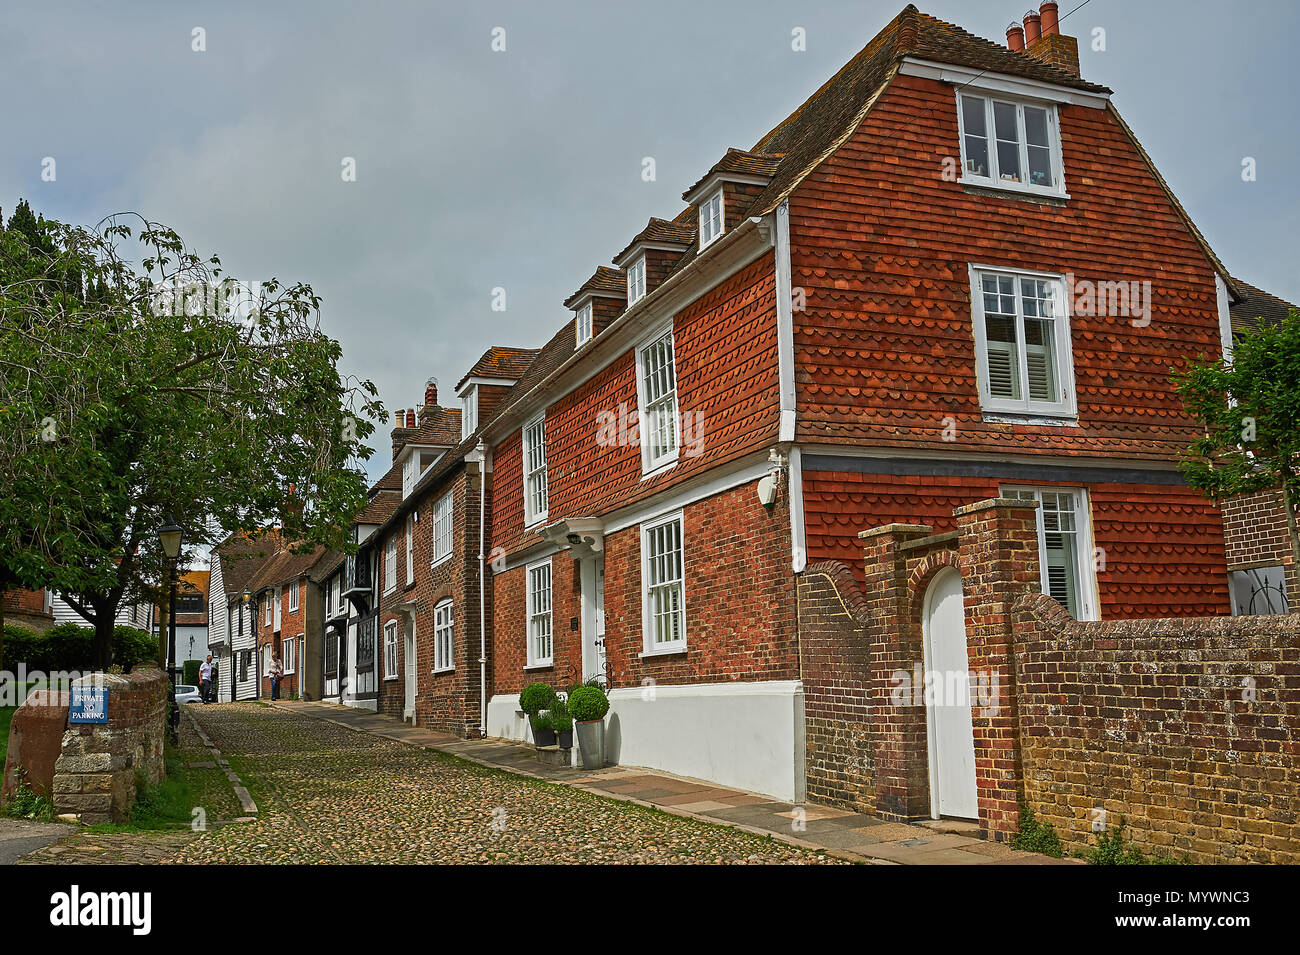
{"x": 1111, "y": 849}
{"x": 1035, "y": 836}
{"x": 536, "y": 697}
{"x": 72, "y": 647}
{"x": 25, "y": 804}
{"x": 190, "y": 674}
{"x": 540, "y": 721}
{"x": 561, "y": 721}
{"x": 587, "y": 703}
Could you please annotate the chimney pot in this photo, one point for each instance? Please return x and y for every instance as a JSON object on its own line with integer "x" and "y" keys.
{"x": 410, "y": 418}
{"x": 1016, "y": 38}
{"x": 399, "y": 418}
{"x": 431, "y": 392}
{"x": 1051, "y": 17}
{"x": 1033, "y": 28}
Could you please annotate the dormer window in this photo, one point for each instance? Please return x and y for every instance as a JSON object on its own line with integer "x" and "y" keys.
{"x": 409, "y": 475}
{"x": 468, "y": 413}
{"x": 583, "y": 325}
{"x": 1009, "y": 144}
{"x": 636, "y": 280}
{"x": 711, "y": 219}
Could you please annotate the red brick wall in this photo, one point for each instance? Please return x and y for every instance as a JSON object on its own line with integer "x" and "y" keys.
{"x": 1163, "y": 543}
{"x": 881, "y": 242}
{"x": 725, "y": 346}
{"x": 291, "y": 625}
{"x": 1186, "y": 728}
{"x": 740, "y": 604}
{"x": 1255, "y": 533}
{"x": 446, "y": 701}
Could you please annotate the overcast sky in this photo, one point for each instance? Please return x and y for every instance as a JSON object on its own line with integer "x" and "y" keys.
{"x": 521, "y": 169}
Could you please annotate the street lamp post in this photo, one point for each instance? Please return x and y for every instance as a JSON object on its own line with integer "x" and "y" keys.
{"x": 243, "y": 602}
{"x": 170, "y": 536}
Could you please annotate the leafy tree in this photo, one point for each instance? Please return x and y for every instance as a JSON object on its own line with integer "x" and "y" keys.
{"x": 1249, "y": 409}
{"x": 133, "y": 390}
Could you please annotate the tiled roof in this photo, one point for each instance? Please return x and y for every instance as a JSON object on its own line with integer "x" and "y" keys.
{"x": 391, "y": 481}
{"x": 830, "y": 114}
{"x": 661, "y": 231}
{"x": 439, "y": 427}
{"x": 740, "y": 162}
{"x": 500, "y": 361}
{"x": 284, "y": 567}
{"x": 604, "y": 281}
{"x": 380, "y": 508}
{"x": 1255, "y": 307}
{"x": 242, "y": 555}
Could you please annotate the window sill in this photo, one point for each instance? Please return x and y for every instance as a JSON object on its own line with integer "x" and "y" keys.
{"x": 1016, "y": 190}
{"x": 441, "y": 560}
{"x": 668, "y": 652}
{"x": 443, "y": 670}
{"x": 390, "y": 679}
{"x": 1049, "y": 419}
{"x": 540, "y": 666}
{"x": 659, "y": 468}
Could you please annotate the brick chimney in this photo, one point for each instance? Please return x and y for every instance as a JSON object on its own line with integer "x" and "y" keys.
{"x": 400, "y": 431}
{"x": 1016, "y": 38}
{"x": 430, "y": 399}
{"x": 1044, "y": 40}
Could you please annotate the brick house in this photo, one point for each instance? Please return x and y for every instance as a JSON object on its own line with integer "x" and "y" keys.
{"x": 287, "y": 602}
{"x": 952, "y": 275}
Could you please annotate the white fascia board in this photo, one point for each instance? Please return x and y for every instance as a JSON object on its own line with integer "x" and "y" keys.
{"x": 471, "y": 382}
{"x": 718, "y": 178}
{"x": 893, "y": 453}
{"x": 785, "y": 324}
{"x": 639, "y": 249}
{"x": 1221, "y": 298}
{"x": 1001, "y": 83}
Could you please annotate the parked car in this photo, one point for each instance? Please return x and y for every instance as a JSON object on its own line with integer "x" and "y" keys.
{"x": 187, "y": 694}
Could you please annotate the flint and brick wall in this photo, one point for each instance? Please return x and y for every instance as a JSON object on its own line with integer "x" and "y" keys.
{"x": 1189, "y": 729}
{"x": 98, "y": 767}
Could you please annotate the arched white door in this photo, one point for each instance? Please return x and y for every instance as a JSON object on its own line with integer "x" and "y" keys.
{"x": 948, "y": 700}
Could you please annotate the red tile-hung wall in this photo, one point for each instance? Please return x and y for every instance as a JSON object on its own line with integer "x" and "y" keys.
{"x": 727, "y": 388}
{"x": 1163, "y": 544}
{"x": 881, "y": 240}
{"x": 740, "y": 604}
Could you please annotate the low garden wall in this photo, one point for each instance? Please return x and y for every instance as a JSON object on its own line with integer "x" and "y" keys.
{"x": 1188, "y": 728}
{"x": 100, "y": 765}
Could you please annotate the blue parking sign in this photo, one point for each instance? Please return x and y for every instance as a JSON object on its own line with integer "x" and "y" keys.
{"x": 89, "y": 704}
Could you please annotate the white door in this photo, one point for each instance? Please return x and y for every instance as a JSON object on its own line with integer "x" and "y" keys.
{"x": 593, "y": 617}
{"x": 948, "y": 700}
{"x": 410, "y": 668}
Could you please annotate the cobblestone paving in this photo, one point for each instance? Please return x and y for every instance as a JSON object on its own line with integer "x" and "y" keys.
{"x": 331, "y": 795}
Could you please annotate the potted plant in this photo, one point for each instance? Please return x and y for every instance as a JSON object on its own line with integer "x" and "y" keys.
{"x": 562, "y": 723}
{"x": 543, "y": 730}
{"x": 533, "y": 699}
{"x": 588, "y": 706}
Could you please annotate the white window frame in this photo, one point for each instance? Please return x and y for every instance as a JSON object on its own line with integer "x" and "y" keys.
{"x": 1089, "y": 599}
{"x": 651, "y": 464}
{"x": 533, "y": 616}
{"x": 712, "y": 218}
{"x": 582, "y": 325}
{"x": 1067, "y": 407}
{"x": 410, "y": 473}
{"x": 636, "y": 280}
{"x": 410, "y": 548}
{"x": 649, "y": 646}
{"x": 293, "y": 597}
{"x": 536, "y": 488}
{"x": 390, "y": 564}
{"x": 469, "y": 412}
{"x": 268, "y": 607}
{"x": 444, "y": 637}
{"x": 994, "y": 180}
{"x": 289, "y": 652}
{"x": 390, "y": 646}
{"x": 443, "y": 529}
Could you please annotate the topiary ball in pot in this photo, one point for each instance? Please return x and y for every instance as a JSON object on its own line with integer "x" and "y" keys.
{"x": 536, "y": 697}
{"x": 588, "y": 703}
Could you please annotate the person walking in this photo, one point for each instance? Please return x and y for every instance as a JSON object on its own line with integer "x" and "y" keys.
{"x": 205, "y": 680}
{"x": 277, "y": 672}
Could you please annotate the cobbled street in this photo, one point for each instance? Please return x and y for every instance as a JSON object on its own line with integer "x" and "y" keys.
{"x": 327, "y": 794}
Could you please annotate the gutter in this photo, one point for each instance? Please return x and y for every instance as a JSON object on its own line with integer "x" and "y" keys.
{"x": 479, "y": 456}
{"x": 789, "y": 404}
